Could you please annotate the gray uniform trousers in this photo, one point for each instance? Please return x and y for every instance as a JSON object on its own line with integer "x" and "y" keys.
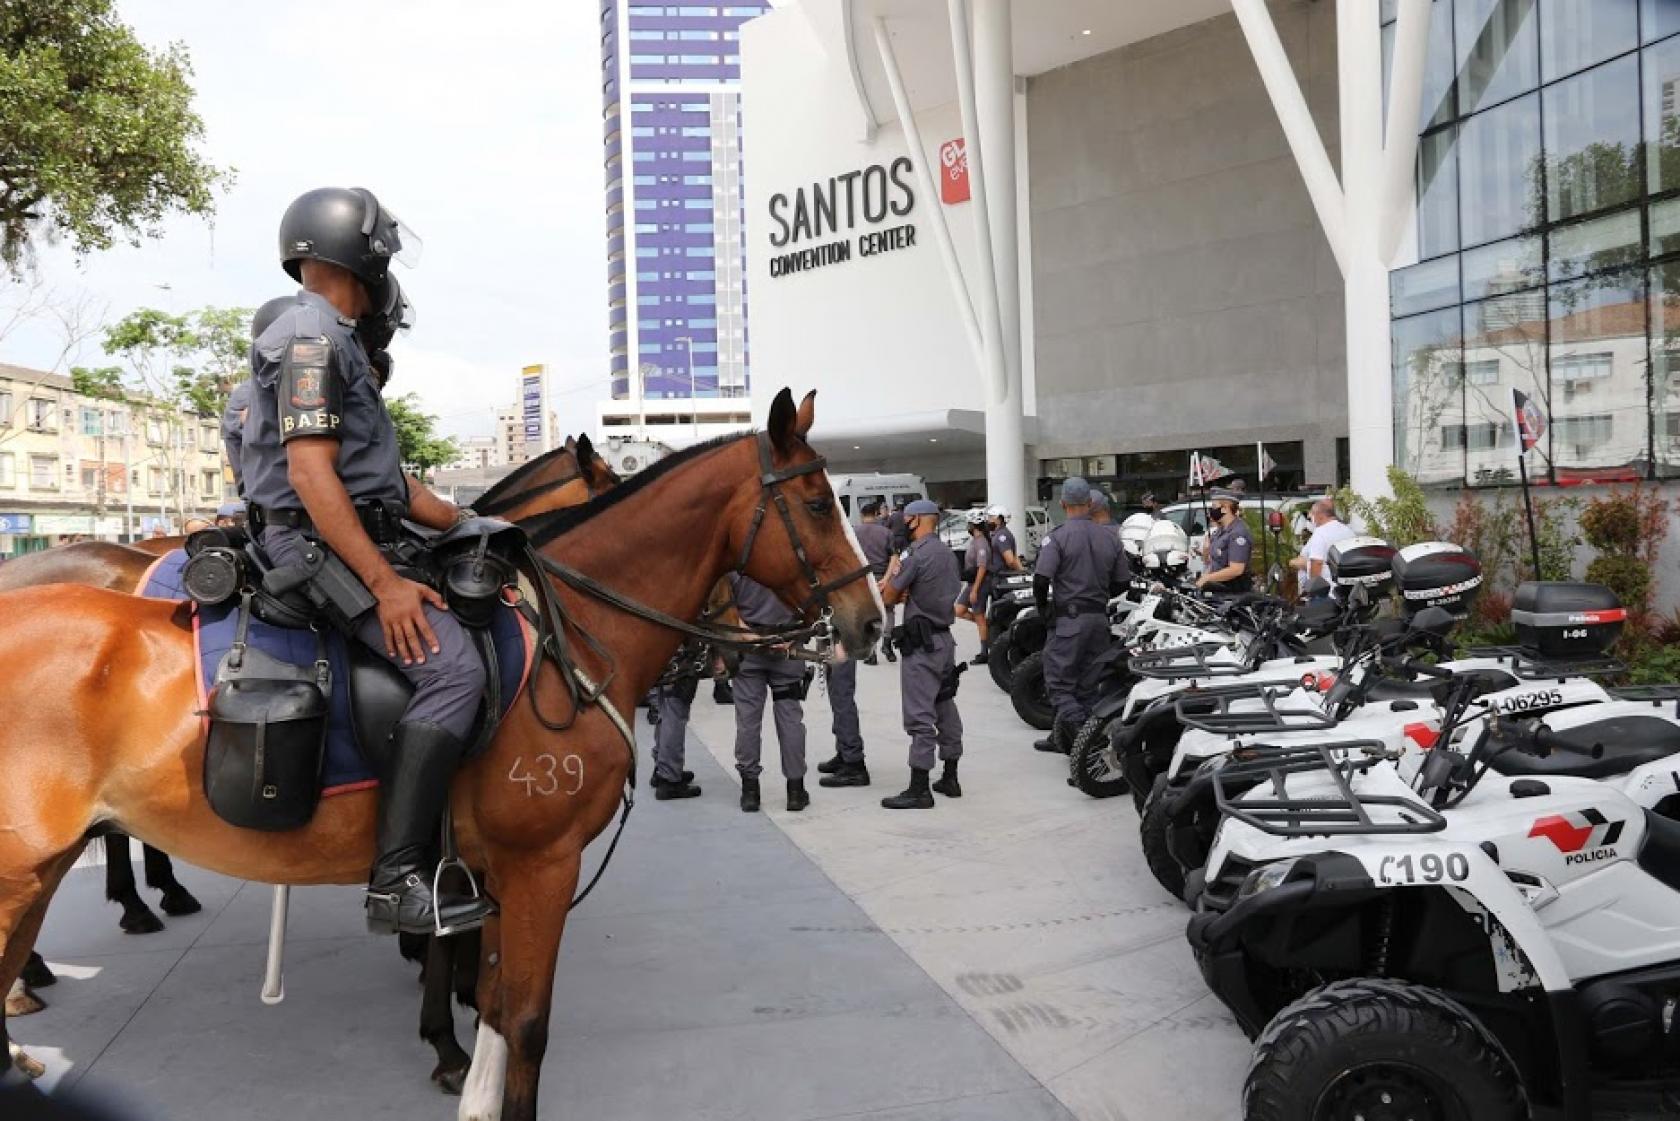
{"x": 1068, "y": 652}
{"x": 754, "y": 681}
{"x": 930, "y": 723}
{"x": 671, "y": 734}
{"x": 448, "y": 685}
{"x": 842, "y": 697}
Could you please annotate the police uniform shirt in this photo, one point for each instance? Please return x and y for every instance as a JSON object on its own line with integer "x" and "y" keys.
{"x": 1231, "y": 545}
{"x": 875, "y": 540}
{"x": 233, "y": 426}
{"x": 978, "y": 556}
{"x": 927, "y": 571}
{"x": 1082, "y": 560}
{"x": 312, "y": 378}
{"x": 1003, "y": 543}
{"x": 758, "y": 605}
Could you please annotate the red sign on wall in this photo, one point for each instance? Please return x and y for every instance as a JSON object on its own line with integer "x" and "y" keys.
{"x": 953, "y": 171}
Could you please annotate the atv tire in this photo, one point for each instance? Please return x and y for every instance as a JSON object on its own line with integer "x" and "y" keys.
{"x": 1152, "y": 831}
{"x": 1087, "y": 765}
{"x": 1029, "y": 694}
{"x": 1375, "y": 1046}
{"x": 1001, "y": 659}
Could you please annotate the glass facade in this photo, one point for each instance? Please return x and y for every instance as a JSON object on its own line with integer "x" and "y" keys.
{"x": 684, "y": 331}
{"x": 1548, "y": 232}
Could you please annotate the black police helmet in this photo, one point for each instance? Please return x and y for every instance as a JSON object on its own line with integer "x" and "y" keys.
{"x": 268, "y": 313}
{"x": 344, "y": 226}
{"x": 391, "y": 312}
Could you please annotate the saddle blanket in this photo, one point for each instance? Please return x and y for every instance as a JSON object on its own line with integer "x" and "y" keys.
{"x": 344, "y": 768}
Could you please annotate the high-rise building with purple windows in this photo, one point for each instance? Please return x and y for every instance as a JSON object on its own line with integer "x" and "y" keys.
{"x": 675, "y": 278}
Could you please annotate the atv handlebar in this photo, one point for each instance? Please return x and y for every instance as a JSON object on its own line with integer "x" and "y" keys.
{"x": 1541, "y": 740}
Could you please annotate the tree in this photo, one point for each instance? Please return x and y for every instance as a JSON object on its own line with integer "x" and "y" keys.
{"x": 97, "y": 132}
{"x": 421, "y": 448}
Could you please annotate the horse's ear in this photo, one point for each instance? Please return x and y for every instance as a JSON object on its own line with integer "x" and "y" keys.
{"x": 807, "y": 415}
{"x": 783, "y": 419}
{"x": 584, "y": 449}
{"x": 572, "y": 444}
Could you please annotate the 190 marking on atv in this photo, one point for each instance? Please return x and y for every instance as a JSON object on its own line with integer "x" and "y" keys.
{"x": 1426, "y": 869}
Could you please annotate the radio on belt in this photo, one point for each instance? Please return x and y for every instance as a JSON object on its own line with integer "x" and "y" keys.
{"x": 1564, "y": 619}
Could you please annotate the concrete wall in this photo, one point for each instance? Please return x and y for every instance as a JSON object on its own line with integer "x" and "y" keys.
{"x": 1185, "y": 296}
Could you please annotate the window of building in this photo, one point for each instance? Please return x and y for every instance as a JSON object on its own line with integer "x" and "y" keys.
{"x": 91, "y": 422}
{"x": 209, "y": 483}
{"x": 8, "y": 469}
{"x": 43, "y": 472}
{"x": 209, "y": 438}
{"x": 154, "y": 430}
{"x": 43, "y": 415}
{"x": 1575, "y": 34}
{"x": 1593, "y": 158}
{"x": 5, "y": 407}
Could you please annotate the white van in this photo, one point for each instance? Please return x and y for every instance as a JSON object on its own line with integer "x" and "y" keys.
{"x": 857, "y": 491}
{"x": 953, "y": 530}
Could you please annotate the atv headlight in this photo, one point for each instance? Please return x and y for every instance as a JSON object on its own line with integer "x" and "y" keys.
{"x": 1264, "y": 879}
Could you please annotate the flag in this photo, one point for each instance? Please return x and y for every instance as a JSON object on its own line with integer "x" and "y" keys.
{"x": 1213, "y": 470}
{"x": 1530, "y": 419}
{"x": 1195, "y": 470}
{"x": 1266, "y": 462}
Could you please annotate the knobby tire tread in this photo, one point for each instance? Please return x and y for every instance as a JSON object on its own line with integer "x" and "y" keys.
{"x": 1152, "y": 832}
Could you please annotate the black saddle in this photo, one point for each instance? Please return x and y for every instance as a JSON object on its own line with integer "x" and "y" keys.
{"x": 1627, "y": 742}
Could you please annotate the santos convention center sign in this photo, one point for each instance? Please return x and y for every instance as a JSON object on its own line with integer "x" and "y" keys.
{"x": 867, "y": 198}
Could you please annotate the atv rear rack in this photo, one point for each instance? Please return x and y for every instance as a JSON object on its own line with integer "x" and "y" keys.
{"x": 1240, "y": 778}
{"x": 1530, "y": 666}
{"x": 1269, "y": 718}
{"x": 1187, "y": 663}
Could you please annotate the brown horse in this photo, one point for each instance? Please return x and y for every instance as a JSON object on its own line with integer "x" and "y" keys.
{"x": 120, "y": 740}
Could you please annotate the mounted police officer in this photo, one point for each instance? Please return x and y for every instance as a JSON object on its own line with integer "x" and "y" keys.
{"x": 239, "y": 398}
{"x": 772, "y": 674}
{"x": 1078, "y": 566}
{"x": 925, "y": 579}
{"x": 323, "y": 477}
{"x": 1230, "y": 545}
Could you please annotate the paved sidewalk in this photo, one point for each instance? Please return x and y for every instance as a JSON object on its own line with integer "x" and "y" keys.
{"x": 1028, "y": 903}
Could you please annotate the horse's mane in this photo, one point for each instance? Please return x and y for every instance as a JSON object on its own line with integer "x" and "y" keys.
{"x": 525, "y": 470}
{"x": 544, "y": 527}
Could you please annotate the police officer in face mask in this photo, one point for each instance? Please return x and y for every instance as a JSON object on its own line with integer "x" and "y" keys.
{"x": 1082, "y": 564}
{"x": 925, "y": 578}
{"x": 1230, "y": 544}
{"x": 323, "y": 476}
{"x": 775, "y": 675}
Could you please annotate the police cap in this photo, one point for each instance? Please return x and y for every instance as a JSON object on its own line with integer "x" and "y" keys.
{"x": 1076, "y": 491}
{"x": 921, "y": 507}
{"x": 1099, "y": 500}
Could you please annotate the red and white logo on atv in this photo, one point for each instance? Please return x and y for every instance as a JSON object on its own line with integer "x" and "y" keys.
{"x": 1577, "y": 831}
{"x": 1424, "y": 735}
{"x": 1319, "y": 682}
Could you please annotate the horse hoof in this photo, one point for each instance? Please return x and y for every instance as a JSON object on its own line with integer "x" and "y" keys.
{"x": 31, "y": 1068}
{"x": 140, "y": 922}
{"x": 37, "y": 974}
{"x": 21, "y": 1002}
{"x": 178, "y": 901}
{"x": 450, "y": 1079}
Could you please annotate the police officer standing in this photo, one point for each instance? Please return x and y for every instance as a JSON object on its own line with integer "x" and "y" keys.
{"x": 781, "y": 678}
{"x": 1003, "y": 543}
{"x": 876, "y": 541}
{"x": 977, "y": 581}
{"x": 322, "y": 474}
{"x": 1079, "y": 563}
{"x": 673, "y": 698}
{"x": 926, "y": 580}
{"x": 1229, "y": 546}
{"x": 847, "y": 768}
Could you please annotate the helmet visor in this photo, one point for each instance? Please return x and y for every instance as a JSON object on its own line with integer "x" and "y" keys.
{"x": 388, "y": 234}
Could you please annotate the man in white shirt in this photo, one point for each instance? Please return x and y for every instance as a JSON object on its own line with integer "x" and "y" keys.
{"x": 1327, "y": 530}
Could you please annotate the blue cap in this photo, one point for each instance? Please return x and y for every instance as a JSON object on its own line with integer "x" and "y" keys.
{"x": 1076, "y": 491}
{"x": 1099, "y": 500}
{"x": 922, "y": 506}
{"x": 231, "y": 510}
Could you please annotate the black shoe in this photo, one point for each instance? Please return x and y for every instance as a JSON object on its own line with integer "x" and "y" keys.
{"x": 872, "y": 660}
{"x": 831, "y": 766}
{"x": 1059, "y": 741}
{"x": 914, "y": 797}
{"x": 891, "y": 657}
{"x": 749, "y": 794}
{"x": 412, "y": 795}
{"x": 798, "y": 799}
{"x": 979, "y": 659}
{"x": 849, "y": 774}
{"x": 655, "y": 781}
{"x": 948, "y": 784}
{"x": 664, "y": 791}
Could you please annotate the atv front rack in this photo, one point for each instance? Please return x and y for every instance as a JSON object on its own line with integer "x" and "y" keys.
{"x": 1187, "y": 663}
{"x": 1239, "y": 779}
{"x": 1530, "y": 666}
{"x": 1267, "y": 718}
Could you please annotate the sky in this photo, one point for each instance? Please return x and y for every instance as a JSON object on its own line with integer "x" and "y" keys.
{"x": 479, "y": 124}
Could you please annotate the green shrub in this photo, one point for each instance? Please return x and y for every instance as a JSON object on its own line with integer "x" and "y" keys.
{"x": 1629, "y": 577}
{"x": 1401, "y": 519}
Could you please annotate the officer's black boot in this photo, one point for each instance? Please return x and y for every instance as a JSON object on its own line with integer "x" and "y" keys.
{"x": 655, "y": 781}
{"x": 948, "y": 784}
{"x": 412, "y": 795}
{"x": 664, "y": 790}
{"x": 915, "y": 797}
{"x": 849, "y": 774}
{"x": 798, "y": 799}
{"x": 985, "y": 654}
{"x": 887, "y": 649}
{"x": 831, "y": 766}
{"x": 749, "y": 794}
{"x": 1052, "y": 742}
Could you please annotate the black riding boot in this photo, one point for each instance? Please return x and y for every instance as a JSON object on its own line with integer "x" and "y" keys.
{"x": 1060, "y": 740}
{"x": 947, "y": 784}
{"x": 412, "y": 795}
{"x": 914, "y": 797}
{"x": 849, "y": 774}
{"x": 798, "y": 799}
{"x": 749, "y": 794}
{"x": 831, "y": 766}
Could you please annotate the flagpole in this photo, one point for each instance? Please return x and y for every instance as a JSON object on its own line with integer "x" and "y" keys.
{"x": 1528, "y": 507}
{"x": 1528, "y": 434}
{"x": 1265, "y": 529}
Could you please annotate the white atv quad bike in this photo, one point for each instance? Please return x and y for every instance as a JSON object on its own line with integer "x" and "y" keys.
{"x": 1489, "y": 929}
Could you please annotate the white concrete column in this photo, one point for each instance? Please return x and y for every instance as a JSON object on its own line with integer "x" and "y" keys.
{"x": 986, "y": 73}
{"x": 1400, "y": 135}
{"x": 1370, "y": 392}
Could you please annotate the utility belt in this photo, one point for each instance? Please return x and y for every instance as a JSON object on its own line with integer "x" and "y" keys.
{"x": 917, "y": 634}
{"x": 382, "y": 521}
{"x": 1076, "y": 609}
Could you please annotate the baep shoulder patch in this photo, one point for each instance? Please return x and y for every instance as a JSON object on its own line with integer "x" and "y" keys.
{"x": 311, "y": 390}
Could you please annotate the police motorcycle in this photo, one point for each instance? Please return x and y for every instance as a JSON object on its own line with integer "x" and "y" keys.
{"x": 1129, "y": 739}
{"x": 1486, "y": 929}
{"x": 1380, "y": 695}
{"x": 1012, "y": 595}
